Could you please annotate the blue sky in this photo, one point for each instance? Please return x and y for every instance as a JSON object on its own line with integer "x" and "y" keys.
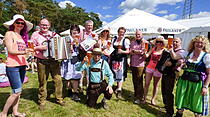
{"x": 109, "y": 10}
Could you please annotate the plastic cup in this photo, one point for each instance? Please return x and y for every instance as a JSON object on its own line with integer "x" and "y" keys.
{"x": 89, "y": 55}
{"x": 30, "y": 44}
{"x": 109, "y": 43}
{"x": 170, "y": 42}
{"x": 119, "y": 47}
{"x": 93, "y": 35}
{"x": 146, "y": 46}
{"x": 77, "y": 36}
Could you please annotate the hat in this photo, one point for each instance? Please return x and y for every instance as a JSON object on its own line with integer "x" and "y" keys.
{"x": 18, "y": 16}
{"x": 104, "y": 28}
{"x": 161, "y": 38}
{"x": 97, "y": 51}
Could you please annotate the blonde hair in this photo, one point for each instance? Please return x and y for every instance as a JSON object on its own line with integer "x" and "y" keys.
{"x": 198, "y": 38}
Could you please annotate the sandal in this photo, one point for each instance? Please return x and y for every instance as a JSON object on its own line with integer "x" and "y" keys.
{"x": 19, "y": 115}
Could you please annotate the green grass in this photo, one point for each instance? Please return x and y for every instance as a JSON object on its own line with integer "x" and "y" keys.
{"x": 117, "y": 107}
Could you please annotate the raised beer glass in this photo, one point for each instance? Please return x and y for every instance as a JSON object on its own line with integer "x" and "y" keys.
{"x": 89, "y": 55}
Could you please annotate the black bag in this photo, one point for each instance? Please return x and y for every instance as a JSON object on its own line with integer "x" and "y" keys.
{"x": 191, "y": 76}
{"x": 160, "y": 65}
{"x": 82, "y": 53}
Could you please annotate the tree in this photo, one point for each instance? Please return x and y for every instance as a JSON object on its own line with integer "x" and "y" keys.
{"x": 35, "y": 10}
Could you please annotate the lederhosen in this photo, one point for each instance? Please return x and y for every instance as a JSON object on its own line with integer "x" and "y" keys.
{"x": 119, "y": 57}
{"x": 96, "y": 89}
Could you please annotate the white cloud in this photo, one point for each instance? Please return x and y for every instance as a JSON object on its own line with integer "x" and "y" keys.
{"x": 108, "y": 16}
{"x": 99, "y": 15}
{"x": 171, "y": 16}
{"x": 171, "y": 2}
{"x": 178, "y": 7}
{"x": 62, "y": 4}
{"x": 146, "y": 5}
{"x": 106, "y": 7}
{"x": 163, "y": 12}
{"x": 104, "y": 17}
{"x": 201, "y": 14}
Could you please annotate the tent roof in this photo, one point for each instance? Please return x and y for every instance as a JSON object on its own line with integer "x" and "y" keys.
{"x": 67, "y": 32}
{"x": 146, "y": 22}
{"x": 195, "y": 22}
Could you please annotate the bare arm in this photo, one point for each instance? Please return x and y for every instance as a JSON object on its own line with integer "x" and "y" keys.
{"x": 174, "y": 55}
{"x": 206, "y": 83}
{"x": 40, "y": 48}
{"x": 127, "y": 51}
{"x": 149, "y": 53}
{"x": 9, "y": 42}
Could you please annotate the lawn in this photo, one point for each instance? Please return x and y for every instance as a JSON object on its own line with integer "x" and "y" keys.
{"x": 117, "y": 107}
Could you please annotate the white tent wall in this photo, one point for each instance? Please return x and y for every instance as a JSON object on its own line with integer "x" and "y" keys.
{"x": 191, "y": 33}
{"x": 146, "y": 22}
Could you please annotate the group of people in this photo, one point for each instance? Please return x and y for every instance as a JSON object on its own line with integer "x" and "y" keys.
{"x": 110, "y": 59}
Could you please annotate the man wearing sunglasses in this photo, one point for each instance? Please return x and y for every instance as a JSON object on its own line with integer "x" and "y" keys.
{"x": 97, "y": 71}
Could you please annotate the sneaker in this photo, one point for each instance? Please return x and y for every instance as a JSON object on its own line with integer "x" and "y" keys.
{"x": 70, "y": 93}
{"x": 119, "y": 94}
{"x": 168, "y": 115}
{"x": 137, "y": 101}
{"x": 75, "y": 97}
{"x": 178, "y": 114}
{"x": 105, "y": 105}
{"x": 61, "y": 103}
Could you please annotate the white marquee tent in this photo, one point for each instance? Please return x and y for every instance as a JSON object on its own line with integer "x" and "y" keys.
{"x": 67, "y": 32}
{"x": 146, "y": 22}
{"x": 197, "y": 26}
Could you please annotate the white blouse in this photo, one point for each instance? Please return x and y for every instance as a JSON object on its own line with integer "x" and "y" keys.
{"x": 206, "y": 58}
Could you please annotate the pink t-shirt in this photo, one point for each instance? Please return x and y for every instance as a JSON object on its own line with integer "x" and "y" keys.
{"x": 86, "y": 35}
{"x": 153, "y": 60}
{"x": 14, "y": 60}
{"x": 137, "y": 60}
{"x": 38, "y": 40}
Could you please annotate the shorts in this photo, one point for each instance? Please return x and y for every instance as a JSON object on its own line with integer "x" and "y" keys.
{"x": 16, "y": 77}
{"x": 155, "y": 72}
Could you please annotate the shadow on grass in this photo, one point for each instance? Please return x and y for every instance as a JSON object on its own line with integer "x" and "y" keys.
{"x": 128, "y": 95}
{"x": 3, "y": 97}
{"x": 32, "y": 93}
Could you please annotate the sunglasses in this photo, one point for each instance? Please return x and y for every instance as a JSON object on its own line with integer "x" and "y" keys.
{"x": 159, "y": 42}
{"x": 105, "y": 31}
{"x": 20, "y": 23}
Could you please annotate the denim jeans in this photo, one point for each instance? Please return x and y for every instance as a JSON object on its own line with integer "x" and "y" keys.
{"x": 16, "y": 77}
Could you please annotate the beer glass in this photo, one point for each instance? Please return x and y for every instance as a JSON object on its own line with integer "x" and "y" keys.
{"x": 93, "y": 35}
{"x": 89, "y": 55}
{"x": 146, "y": 47}
{"x": 170, "y": 41}
{"x": 30, "y": 44}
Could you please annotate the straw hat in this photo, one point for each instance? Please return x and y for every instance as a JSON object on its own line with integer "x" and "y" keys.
{"x": 18, "y": 16}
{"x": 97, "y": 51}
{"x": 161, "y": 38}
